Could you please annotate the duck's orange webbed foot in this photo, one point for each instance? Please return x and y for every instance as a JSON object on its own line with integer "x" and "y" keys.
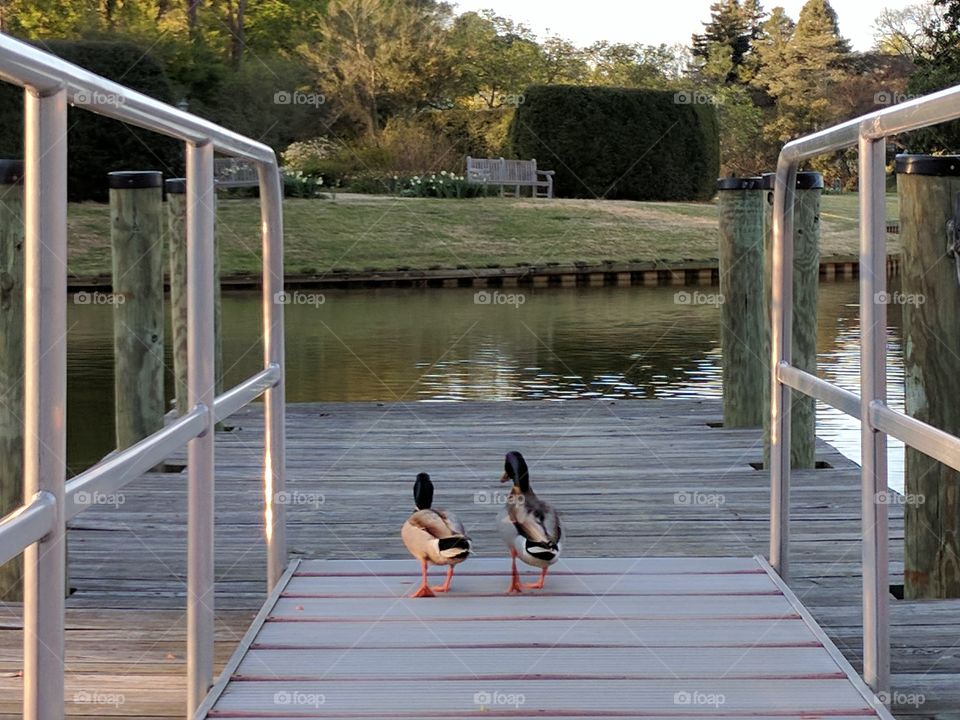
{"x": 538, "y": 585}
{"x": 446, "y": 586}
{"x": 424, "y": 589}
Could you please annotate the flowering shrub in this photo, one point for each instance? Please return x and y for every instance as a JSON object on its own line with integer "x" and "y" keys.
{"x": 436, "y": 185}
{"x": 298, "y": 185}
{"x": 305, "y": 155}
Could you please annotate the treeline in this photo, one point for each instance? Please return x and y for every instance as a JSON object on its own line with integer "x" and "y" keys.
{"x": 348, "y": 87}
{"x": 776, "y": 79}
{"x": 397, "y": 84}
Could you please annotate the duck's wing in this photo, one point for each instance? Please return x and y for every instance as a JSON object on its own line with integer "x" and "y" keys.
{"x": 551, "y": 523}
{"x": 453, "y": 522}
{"x": 527, "y": 513}
{"x": 431, "y": 522}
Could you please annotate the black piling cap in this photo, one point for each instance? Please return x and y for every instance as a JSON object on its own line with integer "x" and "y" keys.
{"x": 177, "y": 186}
{"x": 738, "y": 183}
{"x": 806, "y": 180}
{"x": 936, "y": 165}
{"x": 11, "y": 172}
{"x": 134, "y": 179}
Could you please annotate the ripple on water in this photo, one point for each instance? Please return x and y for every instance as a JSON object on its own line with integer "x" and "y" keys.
{"x": 564, "y": 345}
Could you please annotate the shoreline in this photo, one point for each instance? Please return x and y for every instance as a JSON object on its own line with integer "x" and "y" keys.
{"x": 649, "y": 273}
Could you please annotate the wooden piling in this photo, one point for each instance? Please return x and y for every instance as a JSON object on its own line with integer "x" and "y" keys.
{"x": 929, "y": 190}
{"x": 806, "y": 280}
{"x": 177, "y": 238}
{"x": 741, "y": 311}
{"x": 136, "y": 234}
{"x": 11, "y": 361}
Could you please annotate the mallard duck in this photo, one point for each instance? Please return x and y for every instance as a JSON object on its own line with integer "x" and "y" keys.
{"x": 433, "y": 536}
{"x": 529, "y": 526}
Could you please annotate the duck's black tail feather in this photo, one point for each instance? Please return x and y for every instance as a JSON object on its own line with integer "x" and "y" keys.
{"x": 455, "y": 547}
{"x": 543, "y": 551}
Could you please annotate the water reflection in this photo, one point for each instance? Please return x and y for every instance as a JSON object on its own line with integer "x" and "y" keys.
{"x": 441, "y": 346}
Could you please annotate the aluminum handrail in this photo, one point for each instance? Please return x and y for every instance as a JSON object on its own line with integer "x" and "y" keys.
{"x": 869, "y": 134}
{"x": 38, "y": 527}
{"x": 114, "y": 473}
{"x": 836, "y": 397}
{"x": 26, "y": 525}
{"x": 246, "y": 392}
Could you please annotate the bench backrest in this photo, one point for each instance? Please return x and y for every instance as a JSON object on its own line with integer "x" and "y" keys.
{"x": 500, "y": 170}
{"x": 235, "y": 172}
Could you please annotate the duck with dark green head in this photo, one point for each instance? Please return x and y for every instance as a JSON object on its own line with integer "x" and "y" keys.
{"x": 529, "y": 526}
{"x": 433, "y": 535}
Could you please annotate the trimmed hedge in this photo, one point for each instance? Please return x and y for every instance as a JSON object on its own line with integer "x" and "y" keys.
{"x": 620, "y": 144}
{"x": 98, "y": 145}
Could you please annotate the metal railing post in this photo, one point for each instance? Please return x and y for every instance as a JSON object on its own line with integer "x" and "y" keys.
{"x": 781, "y": 338}
{"x": 274, "y": 460}
{"x": 200, "y": 391}
{"x": 45, "y": 392}
{"x": 873, "y": 389}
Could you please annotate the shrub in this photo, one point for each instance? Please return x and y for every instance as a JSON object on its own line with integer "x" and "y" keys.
{"x": 99, "y": 145}
{"x": 298, "y": 185}
{"x": 471, "y": 131}
{"x": 308, "y": 156}
{"x": 618, "y": 143}
{"x": 412, "y": 146}
{"x": 404, "y": 147}
{"x": 434, "y": 185}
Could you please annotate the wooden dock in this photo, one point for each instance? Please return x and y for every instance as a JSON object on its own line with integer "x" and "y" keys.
{"x": 639, "y": 479}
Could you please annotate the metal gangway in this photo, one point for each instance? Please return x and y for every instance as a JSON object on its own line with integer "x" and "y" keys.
{"x": 38, "y": 528}
{"x": 869, "y": 135}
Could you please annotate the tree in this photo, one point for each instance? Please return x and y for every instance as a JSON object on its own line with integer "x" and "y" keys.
{"x": 810, "y": 68}
{"x": 770, "y": 47}
{"x": 744, "y": 150}
{"x": 754, "y": 15}
{"x": 562, "y": 62}
{"x": 720, "y": 50}
{"x": 938, "y": 67}
{"x": 282, "y": 26}
{"x": 377, "y": 57}
{"x": 903, "y": 31}
{"x": 496, "y": 59}
{"x": 235, "y": 20}
{"x": 632, "y": 66}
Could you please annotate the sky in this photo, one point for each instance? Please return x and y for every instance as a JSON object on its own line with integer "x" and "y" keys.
{"x": 651, "y": 22}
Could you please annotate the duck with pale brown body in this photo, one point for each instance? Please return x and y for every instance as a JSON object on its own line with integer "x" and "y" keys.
{"x": 433, "y": 536}
{"x": 529, "y": 526}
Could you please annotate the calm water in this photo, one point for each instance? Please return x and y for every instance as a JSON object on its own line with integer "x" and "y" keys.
{"x": 439, "y": 345}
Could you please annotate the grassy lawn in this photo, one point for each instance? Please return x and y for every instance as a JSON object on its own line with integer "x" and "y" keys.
{"x": 366, "y": 233}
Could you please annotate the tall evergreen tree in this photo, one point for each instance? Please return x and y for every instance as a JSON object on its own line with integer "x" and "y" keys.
{"x": 720, "y": 50}
{"x": 754, "y": 15}
{"x": 812, "y": 65}
{"x": 770, "y": 48}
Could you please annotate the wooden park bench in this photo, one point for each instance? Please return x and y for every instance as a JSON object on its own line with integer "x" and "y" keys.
{"x": 511, "y": 174}
{"x": 231, "y": 172}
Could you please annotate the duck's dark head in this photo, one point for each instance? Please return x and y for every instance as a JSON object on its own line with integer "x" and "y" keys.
{"x": 423, "y": 492}
{"x": 515, "y": 468}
